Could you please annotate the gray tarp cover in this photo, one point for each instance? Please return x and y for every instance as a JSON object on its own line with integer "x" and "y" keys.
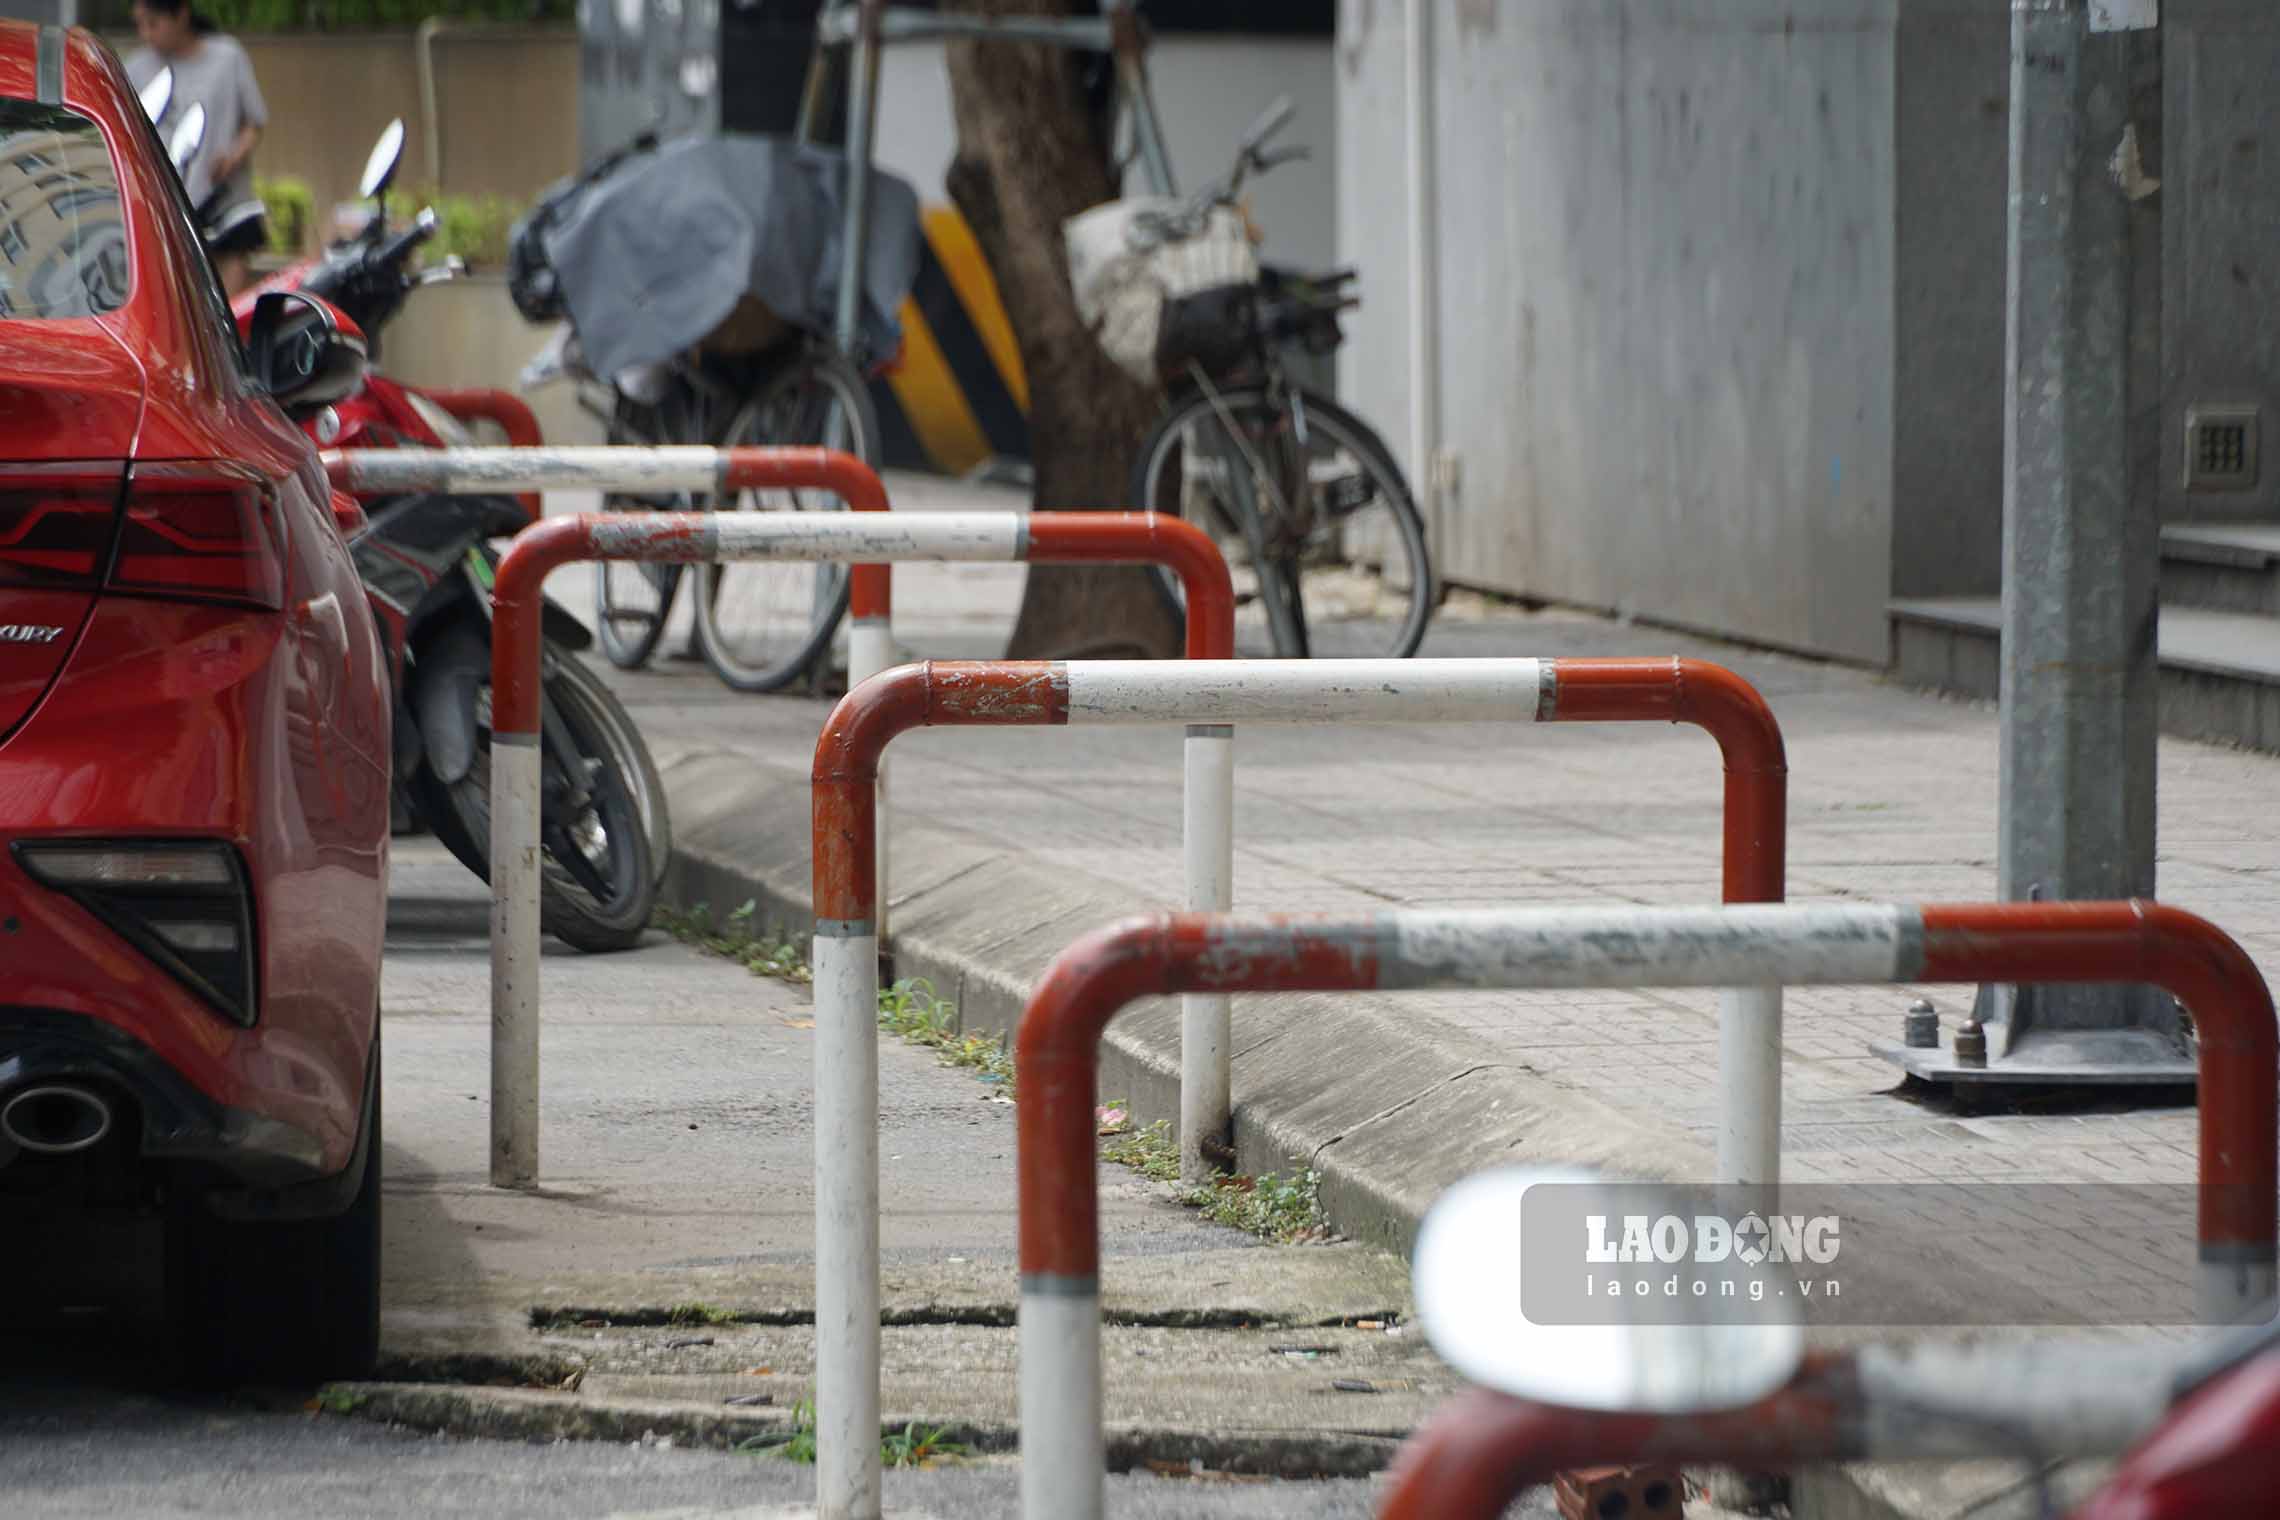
{"x": 654, "y": 256}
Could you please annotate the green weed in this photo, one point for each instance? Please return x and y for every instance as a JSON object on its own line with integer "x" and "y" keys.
{"x": 794, "y": 1445}
{"x": 1285, "y": 1207}
{"x": 763, "y": 955}
{"x": 914, "y": 1445}
{"x": 699, "y": 1314}
{"x": 917, "y": 1445}
{"x": 1152, "y": 1151}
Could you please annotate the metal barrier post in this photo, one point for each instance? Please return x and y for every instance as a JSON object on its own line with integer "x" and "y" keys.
{"x": 1095, "y": 978}
{"x": 1211, "y": 697}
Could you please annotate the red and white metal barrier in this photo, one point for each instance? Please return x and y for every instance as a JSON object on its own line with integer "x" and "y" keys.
{"x": 2057, "y": 1399}
{"x": 870, "y": 541}
{"x": 1059, "y": 1045}
{"x": 1102, "y": 537}
{"x": 1208, "y": 698}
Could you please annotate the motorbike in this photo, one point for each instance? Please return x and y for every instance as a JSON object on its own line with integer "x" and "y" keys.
{"x": 2196, "y": 1422}
{"x": 427, "y": 563}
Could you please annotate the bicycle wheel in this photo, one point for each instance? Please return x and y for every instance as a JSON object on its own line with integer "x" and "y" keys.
{"x": 1320, "y": 532}
{"x": 633, "y": 600}
{"x": 760, "y": 623}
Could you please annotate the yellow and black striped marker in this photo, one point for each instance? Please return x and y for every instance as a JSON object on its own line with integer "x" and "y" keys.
{"x": 957, "y": 397}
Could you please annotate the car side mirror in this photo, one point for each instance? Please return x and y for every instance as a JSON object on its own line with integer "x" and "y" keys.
{"x": 188, "y": 133}
{"x": 380, "y": 168}
{"x": 158, "y": 94}
{"x": 299, "y": 353}
{"x": 1520, "y": 1291}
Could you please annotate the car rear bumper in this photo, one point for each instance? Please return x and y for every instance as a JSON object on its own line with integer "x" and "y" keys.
{"x": 173, "y": 1123}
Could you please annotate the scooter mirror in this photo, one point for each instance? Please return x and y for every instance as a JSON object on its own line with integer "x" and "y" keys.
{"x": 158, "y": 94}
{"x": 188, "y": 133}
{"x": 1270, "y": 121}
{"x": 1513, "y": 1274}
{"x": 380, "y": 168}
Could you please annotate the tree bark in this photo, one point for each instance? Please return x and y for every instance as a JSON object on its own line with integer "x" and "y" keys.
{"x": 1030, "y": 156}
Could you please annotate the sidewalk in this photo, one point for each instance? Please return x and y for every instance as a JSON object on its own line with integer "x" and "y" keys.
{"x": 1892, "y": 797}
{"x": 659, "y": 1284}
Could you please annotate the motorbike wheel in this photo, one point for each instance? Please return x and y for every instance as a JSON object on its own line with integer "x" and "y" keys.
{"x": 656, "y": 813}
{"x": 602, "y": 899}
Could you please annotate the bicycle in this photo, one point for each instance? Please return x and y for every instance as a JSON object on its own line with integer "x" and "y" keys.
{"x": 755, "y": 380}
{"x": 1306, "y": 500}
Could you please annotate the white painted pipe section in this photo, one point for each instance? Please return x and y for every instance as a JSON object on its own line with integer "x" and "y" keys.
{"x": 1749, "y": 945}
{"x": 1064, "y": 1461}
{"x": 2232, "y": 1292}
{"x": 810, "y": 536}
{"x": 846, "y": 965}
{"x": 871, "y": 649}
{"x": 1307, "y": 691}
{"x": 514, "y": 959}
{"x": 1749, "y": 1085}
{"x": 1206, "y": 1027}
{"x": 673, "y": 467}
{"x": 871, "y": 535}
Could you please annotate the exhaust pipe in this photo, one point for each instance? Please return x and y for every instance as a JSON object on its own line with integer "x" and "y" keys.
{"x": 55, "y": 1120}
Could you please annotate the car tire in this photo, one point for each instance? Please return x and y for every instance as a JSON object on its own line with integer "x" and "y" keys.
{"x": 295, "y": 1301}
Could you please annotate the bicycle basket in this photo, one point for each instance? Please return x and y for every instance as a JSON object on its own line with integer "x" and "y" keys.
{"x": 1129, "y": 259}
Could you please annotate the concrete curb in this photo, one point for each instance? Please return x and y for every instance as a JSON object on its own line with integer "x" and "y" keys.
{"x": 523, "y": 1414}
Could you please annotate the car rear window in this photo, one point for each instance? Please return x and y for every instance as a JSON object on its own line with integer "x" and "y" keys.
{"x": 63, "y": 231}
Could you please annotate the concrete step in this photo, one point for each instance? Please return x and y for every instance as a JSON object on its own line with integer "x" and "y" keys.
{"x": 2221, "y": 567}
{"x": 2220, "y": 671}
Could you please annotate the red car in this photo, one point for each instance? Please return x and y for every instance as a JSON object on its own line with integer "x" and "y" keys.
{"x": 194, "y": 751}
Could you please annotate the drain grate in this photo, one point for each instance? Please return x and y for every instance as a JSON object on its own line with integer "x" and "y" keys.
{"x": 2220, "y": 448}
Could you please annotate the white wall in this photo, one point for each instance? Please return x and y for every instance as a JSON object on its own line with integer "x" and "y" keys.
{"x": 1663, "y": 298}
{"x": 1207, "y": 91}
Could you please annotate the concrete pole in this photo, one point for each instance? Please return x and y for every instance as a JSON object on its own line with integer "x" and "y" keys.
{"x": 2080, "y": 536}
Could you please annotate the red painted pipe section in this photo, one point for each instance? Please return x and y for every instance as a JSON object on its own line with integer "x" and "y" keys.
{"x": 2187, "y": 957}
{"x": 1730, "y": 710}
{"x": 509, "y": 412}
{"x": 870, "y": 588}
{"x": 1097, "y": 538}
{"x": 998, "y": 693}
{"x": 1482, "y": 1450}
{"x": 1056, "y": 1050}
{"x": 536, "y": 552}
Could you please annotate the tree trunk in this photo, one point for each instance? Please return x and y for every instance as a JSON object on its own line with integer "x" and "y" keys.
{"x": 1030, "y": 156}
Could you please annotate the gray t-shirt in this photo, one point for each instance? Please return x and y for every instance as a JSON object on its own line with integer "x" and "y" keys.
{"x": 218, "y": 76}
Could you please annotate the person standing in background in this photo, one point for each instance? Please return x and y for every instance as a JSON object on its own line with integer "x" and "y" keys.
{"x": 212, "y": 70}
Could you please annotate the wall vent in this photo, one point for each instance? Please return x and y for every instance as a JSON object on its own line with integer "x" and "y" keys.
{"x": 2220, "y": 448}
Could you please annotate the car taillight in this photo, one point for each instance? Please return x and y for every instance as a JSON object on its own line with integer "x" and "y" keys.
{"x": 205, "y": 532}
{"x": 56, "y": 523}
{"x": 185, "y": 904}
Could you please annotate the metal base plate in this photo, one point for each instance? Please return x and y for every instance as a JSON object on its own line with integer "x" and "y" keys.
{"x": 2074, "y": 1058}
